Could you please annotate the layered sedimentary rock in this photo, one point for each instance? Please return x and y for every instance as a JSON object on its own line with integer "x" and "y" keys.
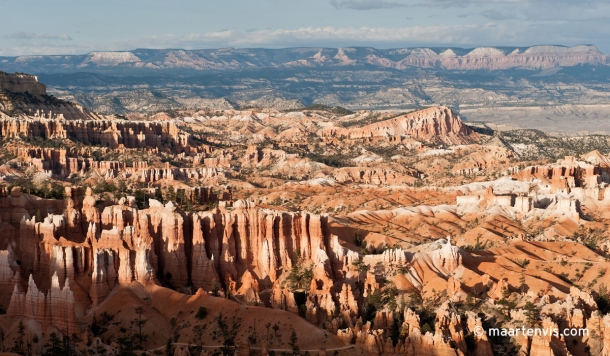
{"x": 383, "y": 247}
{"x": 568, "y": 173}
{"x": 479, "y": 58}
{"x": 55, "y": 308}
{"x": 170, "y": 174}
{"x": 108, "y": 133}
{"x": 254, "y": 240}
{"x": 7, "y": 276}
{"x": 438, "y": 123}
{"x": 22, "y": 95}
{"x": 374, "y": 176}
{"x": 22, "y": 83}
{"x": 490, "y": 58}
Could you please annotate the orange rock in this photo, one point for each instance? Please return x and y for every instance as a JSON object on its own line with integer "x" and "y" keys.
{"x": 428, "y": 124}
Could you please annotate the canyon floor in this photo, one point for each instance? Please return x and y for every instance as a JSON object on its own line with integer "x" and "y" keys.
{"x": 556, "y": 120}
{"x": 303, "y": 231}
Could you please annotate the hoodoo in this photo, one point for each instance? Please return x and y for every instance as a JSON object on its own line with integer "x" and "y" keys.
{"x": 321, "y": 230}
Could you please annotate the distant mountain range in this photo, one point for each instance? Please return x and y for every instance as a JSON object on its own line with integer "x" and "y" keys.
{"x": 525, "y": 81}
{"x": 480, "y": 58}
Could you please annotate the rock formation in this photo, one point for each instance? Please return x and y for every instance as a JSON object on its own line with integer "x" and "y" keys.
{"x": 429, "y": 125}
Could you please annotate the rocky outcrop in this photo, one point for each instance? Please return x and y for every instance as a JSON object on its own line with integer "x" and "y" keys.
{"x": 569, "y": 173}
{"x": 259, "y": 241}
{"x": 22, "y": 95}
{"x": 169, "y": 241}
{"x": 8, "y": 278}
{"x": 170, "y": 174}
{"x": 375, "y": 176}
{"x": 55, "y": 308}
{"x": 107, "y": 133}
{"x": 474, "y": 325}
{"x": 433, "y": 124}
{"x": 490, "y": 58}
{"x": 22, "y": 83}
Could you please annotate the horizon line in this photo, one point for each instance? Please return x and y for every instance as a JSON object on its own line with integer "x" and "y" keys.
{"x": 299, "y": 47}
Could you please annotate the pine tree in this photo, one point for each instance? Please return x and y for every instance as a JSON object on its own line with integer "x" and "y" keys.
{"x": 170, "y": 195}
{"x": 215, "y": 288}
{"x": 19, "y": 342}
{"x": 522, "y": 285}
{"x": 55, "y": 346}
{"x": 139, "y": 323}
{"x": 294, "y": 343}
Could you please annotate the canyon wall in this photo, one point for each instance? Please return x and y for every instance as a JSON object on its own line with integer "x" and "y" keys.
{"x": 432, "y": 124}
{"x": 243, "y": 248}
{"x": 22, "y": 83}
{"x": 108, "y": 133}
{"x": 490, "y": 58}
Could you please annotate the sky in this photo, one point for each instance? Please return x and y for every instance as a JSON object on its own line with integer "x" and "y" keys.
{"x": 31, "y": 27}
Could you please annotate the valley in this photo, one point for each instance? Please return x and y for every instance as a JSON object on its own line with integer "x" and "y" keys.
{"x": 318, "y": 229}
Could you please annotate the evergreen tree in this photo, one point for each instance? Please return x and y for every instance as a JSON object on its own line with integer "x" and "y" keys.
{"x": 126, "y": 346}
{"x": 228, "y": 332}
{"x": 294, "y": 343}
{"x": 170, "y": 195}
{"x": 522, "y": 285}
{"x": 18, "y": 347}
{"x": 139, "y": 323}
{"x": 300, "y": 275}
{"x": 215, "y": 288}
{"x": 54, "y": 346}
{"x": 360, "y": 267}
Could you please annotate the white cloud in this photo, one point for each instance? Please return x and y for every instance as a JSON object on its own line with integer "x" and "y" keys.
{"x": 312, "y": 36}
{"x": 365, "y": 4}
{"x": 36, "y": 36}
{"x": 494, "y": 33}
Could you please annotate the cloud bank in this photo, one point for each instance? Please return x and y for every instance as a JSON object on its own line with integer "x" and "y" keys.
{"x": 332, "y": 23}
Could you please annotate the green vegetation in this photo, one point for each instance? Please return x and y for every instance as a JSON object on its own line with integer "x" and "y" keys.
{"x": 139, "y": 323}
{"x": 543, "y": 146}
{"x": 300, "y": 274}
{"x": 321, "y": 107}
{"x": 100, "y": 326}
{"x": 294, "y": 343}
{"x": 202, "y": 312}
{"x": 104, "y": 186}
{"x": 602, "y": 299}
{"x": 48, "y": 190}
{"x": 6, "y": 156}
{"x": 375, "y": 117}
{"x": 335, "y": 160}
{"x": 227, "y": 332}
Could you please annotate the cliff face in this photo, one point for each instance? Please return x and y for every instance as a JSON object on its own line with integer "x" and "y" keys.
{"x": 76, "y": 260}
{"x": 490, "y": 58}
{"x": 108, "y": 133}
{"x": 22, "y": 83}
{"x": 55, "y": 308}
{"x": 23, "y": 95}
{"x": 122, "y": 244}
{"x": 433, "y": 124}
{"x": 247, "y": 249}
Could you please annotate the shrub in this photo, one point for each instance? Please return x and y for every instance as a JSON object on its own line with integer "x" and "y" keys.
{"x": 201, "y": 313}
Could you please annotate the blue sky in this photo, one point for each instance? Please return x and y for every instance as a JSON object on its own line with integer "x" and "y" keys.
{"x": 82, "y": 26}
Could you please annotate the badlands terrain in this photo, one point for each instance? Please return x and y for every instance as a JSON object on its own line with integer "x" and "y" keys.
{"x": 311, "y": 231}
{"x": 556, "y": 88}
